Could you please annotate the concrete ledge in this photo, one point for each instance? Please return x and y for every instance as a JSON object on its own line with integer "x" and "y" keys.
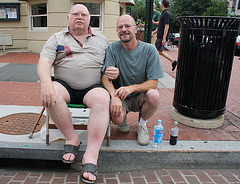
{"x": 132, "y": 161}
{"x": 197, "y": 123}
{"x": 127, "y": 155}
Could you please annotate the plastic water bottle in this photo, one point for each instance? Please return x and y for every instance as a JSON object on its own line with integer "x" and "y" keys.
{"x": 174, "y": 134}
{"x": 157, "y": 135}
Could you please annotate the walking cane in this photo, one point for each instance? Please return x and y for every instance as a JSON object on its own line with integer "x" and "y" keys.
{"x": 39, "y": 117}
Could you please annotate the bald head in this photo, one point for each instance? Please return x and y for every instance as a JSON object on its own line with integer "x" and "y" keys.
{"x": 126, "y": 17}
{"x": 79, "y": 6}
{"x": 79, "y": 19}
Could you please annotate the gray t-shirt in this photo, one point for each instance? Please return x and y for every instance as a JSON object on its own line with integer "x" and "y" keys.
{"x": 135, "y": 66}
{"x": 80, "y": 67}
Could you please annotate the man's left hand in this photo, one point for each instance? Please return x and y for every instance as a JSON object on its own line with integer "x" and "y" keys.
{"x": 123, "y": 92}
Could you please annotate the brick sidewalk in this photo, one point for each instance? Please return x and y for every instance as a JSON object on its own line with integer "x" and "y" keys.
{"x": 26, "y": 58}
{"x": 27, "y": 93}
{"x": 167, "y": 176}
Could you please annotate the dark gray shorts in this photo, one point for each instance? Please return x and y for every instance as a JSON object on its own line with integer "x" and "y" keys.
{"x": 132, "y": 103}
{"x": 158, "y": 45}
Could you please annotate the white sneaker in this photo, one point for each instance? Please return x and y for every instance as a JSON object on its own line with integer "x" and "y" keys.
{"x": 143, "y": 136}
{"x": 124, "y": 127}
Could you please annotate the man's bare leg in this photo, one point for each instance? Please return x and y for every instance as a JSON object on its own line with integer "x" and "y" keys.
{"x": 149, "y": 102}
{"x": 164, "y": 54}
{"x": 173, "y": 62}
{"x": 61, "y": 116}
{"x": 97, "y": 100}
{"x": 119, "y": 119}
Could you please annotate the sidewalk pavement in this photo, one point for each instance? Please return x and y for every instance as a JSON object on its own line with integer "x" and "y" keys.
{"x": 163, "y": 176}
{"x": 28, "y": 94}
{"x": 200, "y": 146}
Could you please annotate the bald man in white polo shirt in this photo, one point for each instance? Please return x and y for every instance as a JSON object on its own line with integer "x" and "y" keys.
{"x": 77, "y": 55}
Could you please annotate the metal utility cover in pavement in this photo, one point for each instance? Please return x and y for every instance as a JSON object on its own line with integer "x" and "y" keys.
{"x": 20, "y": 123}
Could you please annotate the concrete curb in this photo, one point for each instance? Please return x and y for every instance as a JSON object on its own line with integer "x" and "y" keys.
{"x": 127, "y": 155}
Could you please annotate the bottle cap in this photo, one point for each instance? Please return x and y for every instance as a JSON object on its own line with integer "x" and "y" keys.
{"x": 159, "y": 121}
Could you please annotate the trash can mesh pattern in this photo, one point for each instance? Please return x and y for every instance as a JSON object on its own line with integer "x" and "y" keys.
{"x": 205, "y": 57}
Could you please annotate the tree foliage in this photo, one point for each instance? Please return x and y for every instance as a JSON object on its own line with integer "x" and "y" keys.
{"x": 189, "y": 7}
{"x": 138, "y": 11}
{"x": 217, "y": 8}
{"x": 181, "y": 8}
{"x": 196, "y": 8}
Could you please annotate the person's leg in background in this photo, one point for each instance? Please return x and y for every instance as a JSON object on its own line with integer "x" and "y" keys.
{"x": 159, "y": 47}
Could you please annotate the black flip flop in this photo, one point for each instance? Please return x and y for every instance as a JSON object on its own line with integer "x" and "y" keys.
{"x": 88, "y": 167}
{"x": 70, "y": 149}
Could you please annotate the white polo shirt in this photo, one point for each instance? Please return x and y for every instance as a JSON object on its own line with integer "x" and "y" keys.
{"x": 79, "y": 65}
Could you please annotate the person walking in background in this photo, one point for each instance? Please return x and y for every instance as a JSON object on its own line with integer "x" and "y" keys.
{"x": 163, "y": 31}
{"x": 155, "y": 21}
{"x": 139, "y": 68}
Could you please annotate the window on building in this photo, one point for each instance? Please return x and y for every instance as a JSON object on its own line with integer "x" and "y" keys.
{"x": 38, "y": 16}
{"x": 121, "y": 11}
{"x": 95, "y": 10}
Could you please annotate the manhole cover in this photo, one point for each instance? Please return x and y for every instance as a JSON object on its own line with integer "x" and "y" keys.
{"x": 20, "y": 123}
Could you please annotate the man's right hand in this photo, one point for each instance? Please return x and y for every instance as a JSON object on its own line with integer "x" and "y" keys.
{"x": 116, "y": 105}
{"x": 112, "y": 72}
{"x": 48, "y": 97}
{"x": 164, "y": 42}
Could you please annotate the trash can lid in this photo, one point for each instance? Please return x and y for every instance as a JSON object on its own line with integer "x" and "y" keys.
{"x": 212, "y": 22}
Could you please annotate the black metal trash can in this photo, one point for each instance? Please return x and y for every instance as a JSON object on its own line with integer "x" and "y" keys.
{"x": 205, "y": 58}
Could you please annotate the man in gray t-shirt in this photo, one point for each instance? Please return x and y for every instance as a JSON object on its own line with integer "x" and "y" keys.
{"x": 139, "y": 68}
